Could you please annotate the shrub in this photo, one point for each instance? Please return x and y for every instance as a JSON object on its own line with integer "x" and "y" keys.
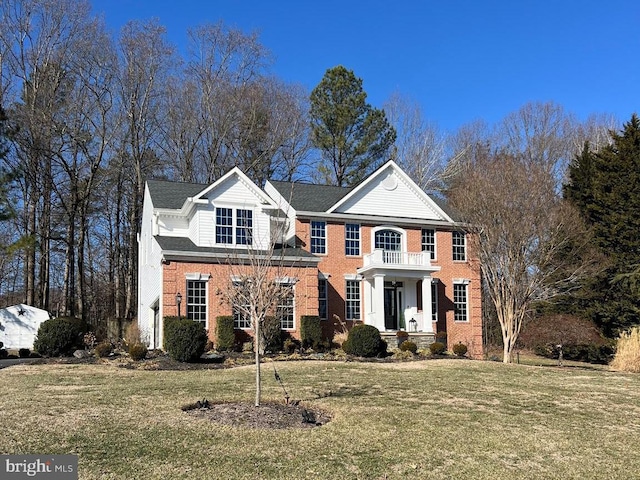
{"x": 310, "y": 331}
{"x": 627, "y": 358}
{"x": 460, "y": 349}
{"x": 225, "y": 336}
{"x": 408, "y": 346}
{"x": 184, "y": 339}
{"x": 437, "y": 348}
{"x": 441, "y": 337}
{"x": 24, "y": 353}
{"x": 3, "y": 353}
{"x": 271, "y": 335}
{"x": 137, "y": 351}
{"x": 132, "y": 334}
{"x": 590, "y": 353}
{"x": 290, "y": 345}
{"x": 168, "y": 324}
{"x": 60, "y": 336}
{"x": 103, "y": 349}
{"x": 365, "y": 341}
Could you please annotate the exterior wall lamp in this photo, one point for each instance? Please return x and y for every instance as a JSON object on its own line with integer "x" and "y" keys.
{"x": 178, "y": 302}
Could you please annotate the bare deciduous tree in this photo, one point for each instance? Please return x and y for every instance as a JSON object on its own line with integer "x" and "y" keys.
{"x": 526, "y": 237}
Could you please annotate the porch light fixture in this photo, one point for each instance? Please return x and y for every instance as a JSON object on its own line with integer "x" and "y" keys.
{"x": 413, "y": 325}
{"x": 178, "y": 302}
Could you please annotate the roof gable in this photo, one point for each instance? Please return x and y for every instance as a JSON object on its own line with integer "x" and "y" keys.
{"x": 390, "y": 192}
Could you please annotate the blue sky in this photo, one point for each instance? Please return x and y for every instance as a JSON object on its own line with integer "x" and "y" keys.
{"x": 462, "y": 60}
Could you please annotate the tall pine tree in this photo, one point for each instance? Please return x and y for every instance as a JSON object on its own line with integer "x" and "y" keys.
{"x": 353, "y": 137}
{"x": 605, "y": 186}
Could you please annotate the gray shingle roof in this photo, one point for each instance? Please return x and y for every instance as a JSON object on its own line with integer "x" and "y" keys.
{"x": 308, "y": 197}
{"x": 181, "y": 244}
{"x": 165, "y": 194}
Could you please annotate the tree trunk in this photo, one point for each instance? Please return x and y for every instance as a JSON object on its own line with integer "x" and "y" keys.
{"x": 256, "y": 349}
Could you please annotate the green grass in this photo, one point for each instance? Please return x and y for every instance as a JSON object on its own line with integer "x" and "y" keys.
{"x": 431, "y": 419}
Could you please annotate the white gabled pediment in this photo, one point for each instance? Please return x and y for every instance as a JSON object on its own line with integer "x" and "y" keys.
{"x": 389, "y": 192}
{"x": 234, "y": 188}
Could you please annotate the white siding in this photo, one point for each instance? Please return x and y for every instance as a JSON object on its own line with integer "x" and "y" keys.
{"x": 173, "y": 226}
{"x": 388, "y": 195}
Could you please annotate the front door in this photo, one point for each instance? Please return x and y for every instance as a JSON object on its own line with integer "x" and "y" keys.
{"x": 392, "y": 302}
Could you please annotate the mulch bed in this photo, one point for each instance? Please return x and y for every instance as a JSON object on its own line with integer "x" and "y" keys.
{"x": 266, "y": 415}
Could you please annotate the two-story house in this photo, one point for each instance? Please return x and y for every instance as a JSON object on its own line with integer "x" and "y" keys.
{"x": 383, "y": 253}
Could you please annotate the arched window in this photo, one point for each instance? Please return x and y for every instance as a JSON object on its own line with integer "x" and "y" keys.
{"x": 388, "y": 240}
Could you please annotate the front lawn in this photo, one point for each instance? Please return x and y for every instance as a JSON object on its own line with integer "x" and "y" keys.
{"x": 428, "y": 419}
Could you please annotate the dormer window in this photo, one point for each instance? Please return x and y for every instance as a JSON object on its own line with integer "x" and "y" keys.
{"x": 232, "y": 225}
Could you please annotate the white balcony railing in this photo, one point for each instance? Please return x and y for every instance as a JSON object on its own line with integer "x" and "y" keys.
{"x": 389, "y": 258}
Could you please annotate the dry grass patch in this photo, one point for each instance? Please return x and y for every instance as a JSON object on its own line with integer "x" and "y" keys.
{"x": 446, "y": 419}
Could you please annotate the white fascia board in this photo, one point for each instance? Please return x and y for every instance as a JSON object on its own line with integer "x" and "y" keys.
{"x": 378, "y": 220}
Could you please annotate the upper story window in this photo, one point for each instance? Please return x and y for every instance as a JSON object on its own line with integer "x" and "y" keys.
{"x": 459, "y": 243}
{"x": 227, "y": 229}
{"x": 244, "y": 227}
{"x": 318, "y": 237}
{"x": 429, "y": 241}
{"x": 352, "y": 239}
{"x": 224, "y": 225}
{"x": 388, "y": 240}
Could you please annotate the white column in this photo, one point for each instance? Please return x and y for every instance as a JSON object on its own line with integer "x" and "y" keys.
{"x": 426, "y": 305}
{"x": 378, "y": 301}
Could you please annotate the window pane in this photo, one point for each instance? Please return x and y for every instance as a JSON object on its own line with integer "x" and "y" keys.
{"x": 353, "y": 300}
{"x": 352, "y": 239}
{"x": 429, "y": 241}
{"x": 322, "y": 298}
{"x": 284, "y": 310}
{"x": 318, "y": 237}
{"x": 460, "y": 302}
{"x": 224, "y": 225}
{"x": 197, "y": 301}
{"x": 459, "y": 246}
{"x": 244, "y": 226}
{"x": 388, "y": 240}
{"x": 241, "y": 319}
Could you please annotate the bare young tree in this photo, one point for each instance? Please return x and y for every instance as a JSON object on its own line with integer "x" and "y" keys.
{"x": 420, "y": 146}
{"x": 527, "y": 239}
{"x": 262, "y": 280}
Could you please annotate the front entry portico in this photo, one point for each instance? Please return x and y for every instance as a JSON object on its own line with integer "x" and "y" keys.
{"x": 391, "y": 296}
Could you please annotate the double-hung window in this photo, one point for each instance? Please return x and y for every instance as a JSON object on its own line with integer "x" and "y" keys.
{"x": 234, "y": 225}
{"x": 224, "y": 225}
{"x": 429, "y": 241}
{"x": 197, "y": 301}
{"x": 322, "y": 298}
{"x": 241, "y": 318}
{"x": 352, "y": 300}
{"x": 351, "y": 239}
{"x": 460, "y": 302}
{"x": 244, "y": 227}
{"x": 285, "y": 308}
{"x": 318, "y": 237}
{"x": 459, "y": 244}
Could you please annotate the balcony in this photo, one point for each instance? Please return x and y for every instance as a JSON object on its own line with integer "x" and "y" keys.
{"x": 391, "y": 260}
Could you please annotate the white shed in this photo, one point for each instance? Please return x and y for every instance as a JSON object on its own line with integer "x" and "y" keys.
{"x": 19, "y": 325}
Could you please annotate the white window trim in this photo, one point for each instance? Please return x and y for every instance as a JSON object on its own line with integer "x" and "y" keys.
{"x": 198, "y": 278}
{"x": 401, "y": 231}
{"x": 465, "y": 283}
{"x": 359, "y": 254}
{"x": 326, "y": 237}
{"x": 234, "y": 226}
{"x": 435, "y": 242}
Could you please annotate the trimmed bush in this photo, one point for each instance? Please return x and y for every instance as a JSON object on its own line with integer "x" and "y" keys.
{"x": 103, "y": 349}
{"x": 137, "y": 351}
{"x": 441, "y": 337}
{"x": 60, "y": 336}
{"x": 437, "y": 348}
{"x": 185, "y": 340}
{"x": 271, "y": 335}
{"x": 168, "y": 323}
{"x": 408, "y": 346}
{"x": 365, "y": 341}
{"x": 310, "y": 331}
{"x": 24, "y": 353}
{"x": 460, "y": 349}
{"x": 225, "y": 333}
